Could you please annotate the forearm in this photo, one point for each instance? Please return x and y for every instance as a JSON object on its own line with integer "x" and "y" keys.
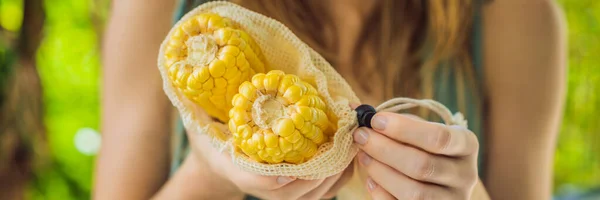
{"x": 525, "y": 70}
{"x": 520, "y": 173}
{"x": 134, "y": 160}
{"x": 195, "y": 180}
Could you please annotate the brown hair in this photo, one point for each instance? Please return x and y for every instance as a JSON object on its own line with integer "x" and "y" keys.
{"x": 410, "y": 39}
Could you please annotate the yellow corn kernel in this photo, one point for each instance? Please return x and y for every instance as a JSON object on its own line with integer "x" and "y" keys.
{"x": 258, "y": 80}
{"x": 294, "y": 137}
{"x": 193, "y": 81}
{"x": 233, "y": 127}
{"x": 207, "y": 53}
{"x": 274, "y": 151}
{"x": 258, "y": 140}
{"x": 245, "y": 132}
{"x": 298, "y": 120}
{"x": 311, "y": 149}
{"x": 284, "y": 145}
{"x": 294, "y": 93}
{"x": 254, "y": 156}
{"x": 286, "y": 82}
{"x": 286, "y": 114}
{"x": 271, "y": 140}
{"x": 294, "y": 157}
{"x": 239, "y": 116}
{"x": 311, "y": 101}
{"x": 277, "y": 159}
{"x": 248, "y": 147}
{"x": 263, "y": 154}
{"x": 301, "y": 144}
{"x": 284, "y": 127}
{"x": 239, "y": 101}
{"x": 217, "y": 68}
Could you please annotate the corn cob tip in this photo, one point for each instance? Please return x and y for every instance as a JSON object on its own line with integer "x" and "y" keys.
{"x": 202, "y": 49}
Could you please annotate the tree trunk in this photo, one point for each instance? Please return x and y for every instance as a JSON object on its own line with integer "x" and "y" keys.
{"x": 21, "y": 118}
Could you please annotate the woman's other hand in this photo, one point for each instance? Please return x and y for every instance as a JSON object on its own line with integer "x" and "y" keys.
{"x": 264, "y": 187}
{"x": 406, "y": 157}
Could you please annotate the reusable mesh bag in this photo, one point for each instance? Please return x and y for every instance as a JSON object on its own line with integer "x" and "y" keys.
{"x": 284, "y": 51}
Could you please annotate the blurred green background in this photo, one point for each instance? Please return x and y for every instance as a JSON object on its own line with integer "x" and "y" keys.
{"x": 69, "y": 67}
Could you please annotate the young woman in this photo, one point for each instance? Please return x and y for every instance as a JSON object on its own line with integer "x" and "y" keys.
{"x": 501, "y": 63}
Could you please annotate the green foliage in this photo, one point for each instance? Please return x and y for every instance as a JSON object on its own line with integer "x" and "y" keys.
{"x": 68, "y": 63}
{"x": 577, "y": 161}
{"x": 11, "y": 14}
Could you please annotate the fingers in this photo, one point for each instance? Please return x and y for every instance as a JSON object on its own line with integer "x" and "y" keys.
{"x": 299, "y": 188}
{"x": 432, "y": 137}
{"x": 346, "y": 176}
{"x": 292, "y": 190}
{"x": 250, "y": 181}
{"x": 264, "y": 187}
{"x": 378, "y": 193}
{"x": 413, "y": 162}
{"x": 401, "y": 186}
{"x": 270, "y": 187}
{"x": 320, "y": 190}
{"x": 247, "y": 181}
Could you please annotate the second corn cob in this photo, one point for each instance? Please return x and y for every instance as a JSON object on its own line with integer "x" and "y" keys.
{"x": 278, "y": 118}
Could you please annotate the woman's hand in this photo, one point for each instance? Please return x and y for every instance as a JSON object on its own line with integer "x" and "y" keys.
{"x": 265, "y": 187}
{"x": 409, "y": 158}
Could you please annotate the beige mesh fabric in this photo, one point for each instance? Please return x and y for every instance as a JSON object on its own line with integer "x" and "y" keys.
{"x": 284, "y": 51}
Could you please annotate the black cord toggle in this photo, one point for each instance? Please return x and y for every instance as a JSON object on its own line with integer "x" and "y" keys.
{"x": 365, "y": 113}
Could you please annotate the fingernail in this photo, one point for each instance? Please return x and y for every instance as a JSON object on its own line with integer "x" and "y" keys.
{"x": 364, "y": 159}
{"x": 284, "y": 179}
{"x": 360, "y": 136}
{"x": 371, "y": 184}
{"x": 379, "y": 122}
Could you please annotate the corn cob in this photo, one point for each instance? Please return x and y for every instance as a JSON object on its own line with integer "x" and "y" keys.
{"x": 207, "y": 57}
{"x": 278, "y": 118}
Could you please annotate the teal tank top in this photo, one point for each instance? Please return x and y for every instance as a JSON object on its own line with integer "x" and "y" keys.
{"x": 447, "y": 89}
